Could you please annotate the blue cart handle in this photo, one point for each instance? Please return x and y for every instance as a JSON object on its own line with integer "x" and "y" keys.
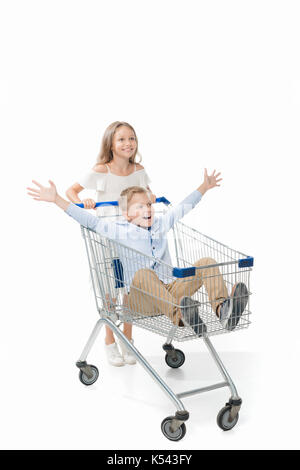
{"x": 115, "y": 203}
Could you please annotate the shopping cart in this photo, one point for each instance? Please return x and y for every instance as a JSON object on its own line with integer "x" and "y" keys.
{"x": 146, "y": 310}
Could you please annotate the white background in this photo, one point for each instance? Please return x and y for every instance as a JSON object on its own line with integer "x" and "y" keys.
{"x": 211, "y": 84}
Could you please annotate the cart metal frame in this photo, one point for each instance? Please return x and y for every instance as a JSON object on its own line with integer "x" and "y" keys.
{"x": 236, "y": 263}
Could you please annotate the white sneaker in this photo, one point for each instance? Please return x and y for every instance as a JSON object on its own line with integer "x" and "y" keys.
{"x": 128, "y": 357}
{"x": 113, "y": 355}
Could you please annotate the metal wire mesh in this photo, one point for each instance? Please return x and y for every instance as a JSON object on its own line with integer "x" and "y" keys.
{"x": 138, "y": 295}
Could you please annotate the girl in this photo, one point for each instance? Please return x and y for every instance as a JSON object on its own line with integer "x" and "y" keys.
{"x": 115, "y": 170}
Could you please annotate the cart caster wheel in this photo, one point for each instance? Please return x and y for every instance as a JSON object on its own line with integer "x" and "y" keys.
{"x": 175, "y": 361}
{"x": 167, "y": 431}
{"x": 223, "y": 419}
{"x": 89, "y": 380}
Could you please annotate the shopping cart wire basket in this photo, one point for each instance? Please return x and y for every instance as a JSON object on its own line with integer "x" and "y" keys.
{"x": 207, "y": 273}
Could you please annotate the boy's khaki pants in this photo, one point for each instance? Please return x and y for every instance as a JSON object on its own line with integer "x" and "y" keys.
{"x": 150, "y": 296}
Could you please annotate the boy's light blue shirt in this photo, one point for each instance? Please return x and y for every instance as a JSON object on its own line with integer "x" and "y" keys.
{"x": 152, "y": 242}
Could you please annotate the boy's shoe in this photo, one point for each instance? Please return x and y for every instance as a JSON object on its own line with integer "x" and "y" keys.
{"x": 128, "y": 357}
{"x": 231, "y": 310}
{"x": 189, "y": 310}
{"x": 113, "y": 355}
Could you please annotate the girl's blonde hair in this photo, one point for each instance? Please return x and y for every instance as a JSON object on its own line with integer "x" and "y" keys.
{"x": 105, "y": 154}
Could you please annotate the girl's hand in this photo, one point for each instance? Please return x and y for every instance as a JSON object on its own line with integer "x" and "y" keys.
{"x": 89, "y": 203}
{"x": 152, "y": 198}
{"x": 42, "y": 193}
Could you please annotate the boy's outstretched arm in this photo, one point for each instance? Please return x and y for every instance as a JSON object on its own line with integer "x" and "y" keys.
{"x": 179, "y": 211}
{"x": 49, "y": 194}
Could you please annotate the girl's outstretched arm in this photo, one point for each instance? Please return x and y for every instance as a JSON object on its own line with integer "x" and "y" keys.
{"x": 49, "y": 194}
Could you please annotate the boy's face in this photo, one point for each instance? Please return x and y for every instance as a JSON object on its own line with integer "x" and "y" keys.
{"x": 140, "y": 211}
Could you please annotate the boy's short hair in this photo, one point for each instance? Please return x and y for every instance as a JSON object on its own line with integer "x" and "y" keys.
{"x": 128, "y": 193}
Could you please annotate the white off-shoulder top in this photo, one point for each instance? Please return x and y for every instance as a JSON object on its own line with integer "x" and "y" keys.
{"x": 109, "y": 186}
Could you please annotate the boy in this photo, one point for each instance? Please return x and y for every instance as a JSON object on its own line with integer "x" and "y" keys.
{"x": 147, "y": 273}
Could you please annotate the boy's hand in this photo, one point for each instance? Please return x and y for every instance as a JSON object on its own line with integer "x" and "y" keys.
{"x": 210, "y": 181}
{"x": 48, "y": 194}
{"x": 43, "y": 194}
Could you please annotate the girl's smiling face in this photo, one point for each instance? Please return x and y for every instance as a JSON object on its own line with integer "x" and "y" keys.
{"x": 124, "y": 142}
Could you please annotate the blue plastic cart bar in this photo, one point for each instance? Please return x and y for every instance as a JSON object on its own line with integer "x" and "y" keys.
{"x": 246, "y": 262}
{"x": 115, "y": 203}
{"x": 184, "y": 272}
{"x": 191, "y": 271}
